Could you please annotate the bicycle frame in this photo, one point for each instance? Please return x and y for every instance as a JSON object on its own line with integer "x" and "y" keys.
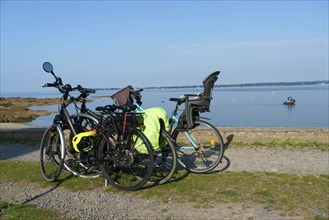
{"x": 190, "y": 137}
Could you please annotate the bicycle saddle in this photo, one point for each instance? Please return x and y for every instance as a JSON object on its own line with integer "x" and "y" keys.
{"x": 112, "y": 108}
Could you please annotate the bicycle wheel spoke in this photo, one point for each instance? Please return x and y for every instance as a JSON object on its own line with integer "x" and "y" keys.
{"x": 51, "y": 162}
{"x": 209, "y": 147}
{"x": 126, "y": 167}
{"x": 81, "y": 163}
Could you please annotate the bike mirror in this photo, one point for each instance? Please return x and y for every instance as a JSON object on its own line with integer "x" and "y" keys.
{"x": 48, "y": 67}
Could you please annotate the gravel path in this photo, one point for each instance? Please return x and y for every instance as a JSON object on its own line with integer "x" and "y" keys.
{"x": 236, "y": 159}
{"x": 96, "y": 204}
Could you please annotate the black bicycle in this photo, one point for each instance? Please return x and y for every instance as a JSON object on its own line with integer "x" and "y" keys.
{"x": 165, "y": 155}
{"x": 56, "y": 149}
{"x": 88, "y": 147}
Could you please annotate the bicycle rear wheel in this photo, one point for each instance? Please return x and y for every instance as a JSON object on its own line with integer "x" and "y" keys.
{"x": 199, "y": 150}
{"x": 51, "y": 157}
{"x": 165, "y": 161}
{"x": 122, "y": 161}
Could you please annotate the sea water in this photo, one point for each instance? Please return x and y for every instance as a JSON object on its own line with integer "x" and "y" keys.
{"x": 230, "y": 107}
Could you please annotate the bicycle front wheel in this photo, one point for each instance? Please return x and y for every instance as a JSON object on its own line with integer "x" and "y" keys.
{"x": 81, "y": 163}
{"x": 126, "y": 158}
{"x": 51, "y": 156}
{"x": 199, "y": 150}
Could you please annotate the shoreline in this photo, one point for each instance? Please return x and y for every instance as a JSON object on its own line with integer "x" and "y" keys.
{"x": 229, "y": 134}
{"x": 23, "y": 125}
{"x": 15, "y": 126}
{"x": 29, "y": 124}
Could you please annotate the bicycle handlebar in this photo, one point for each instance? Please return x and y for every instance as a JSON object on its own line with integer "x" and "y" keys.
{"x": 66, "y": 89}
{"x": 136, "y": 94}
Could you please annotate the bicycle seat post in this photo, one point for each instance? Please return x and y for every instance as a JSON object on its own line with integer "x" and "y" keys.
{"x": 174, "y": 112}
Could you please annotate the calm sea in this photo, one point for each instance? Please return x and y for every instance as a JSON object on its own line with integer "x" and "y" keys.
{"x": 233, "y": 107}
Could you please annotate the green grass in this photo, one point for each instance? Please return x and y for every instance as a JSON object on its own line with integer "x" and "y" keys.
{"x": 291, "y": 194}
{"x": 27, "y": 212}
{"x": 19, "y": 171}
{"x": 284, "y": 144}
{"x": 288, "y": 193}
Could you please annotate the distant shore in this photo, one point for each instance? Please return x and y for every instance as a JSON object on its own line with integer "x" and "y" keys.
{"x": 264, "y": 84}
{"x": 16, "y": 109}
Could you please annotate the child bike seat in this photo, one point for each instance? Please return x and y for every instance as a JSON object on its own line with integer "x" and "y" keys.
{"x": 201, "y": 102}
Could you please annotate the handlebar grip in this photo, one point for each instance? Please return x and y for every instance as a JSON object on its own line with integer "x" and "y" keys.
{"x": 50, "y": 85}
{"x": 90, "y": 90}
{"x": 187, "y": 95}
{"x": 137, "y": 91}
{"x": 85, "y": 90}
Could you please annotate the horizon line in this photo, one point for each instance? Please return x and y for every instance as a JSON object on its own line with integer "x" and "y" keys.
{"x": 259, "y": 84}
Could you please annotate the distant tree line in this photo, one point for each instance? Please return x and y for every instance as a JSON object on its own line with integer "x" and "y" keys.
{"x": 303, "y": 83}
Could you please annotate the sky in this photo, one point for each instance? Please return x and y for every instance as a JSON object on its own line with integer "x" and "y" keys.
{"x": 104, "y": 44}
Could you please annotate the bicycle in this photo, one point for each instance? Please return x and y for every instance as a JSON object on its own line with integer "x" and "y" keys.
{"x": 165, "y": 155}
{"x": 125, "y": 152}
{"x": 164, "y": 160}
{"x": 53, "y": 148}
{"x": 93, "y": 147}
{"x": 199, "y": 144}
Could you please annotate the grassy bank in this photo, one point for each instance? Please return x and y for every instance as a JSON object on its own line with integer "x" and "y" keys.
{"x": 292, "y": 195}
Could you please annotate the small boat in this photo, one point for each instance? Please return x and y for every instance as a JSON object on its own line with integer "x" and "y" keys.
{"x": 290, "y": 101}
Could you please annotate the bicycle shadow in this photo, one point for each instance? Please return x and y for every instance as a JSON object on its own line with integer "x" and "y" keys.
{"x": 59, "y": 182}
{"x": 225, "y": 161}
{"x": 229, "y": 140}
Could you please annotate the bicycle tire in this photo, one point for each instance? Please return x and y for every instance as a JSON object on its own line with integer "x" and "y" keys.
{"x": 165, "y": 161}
{"x": 51, "y": 156}
{"x": 210, "y": 143}
{"x": 78, "y": 163}
{"x": 122, "y": 165}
